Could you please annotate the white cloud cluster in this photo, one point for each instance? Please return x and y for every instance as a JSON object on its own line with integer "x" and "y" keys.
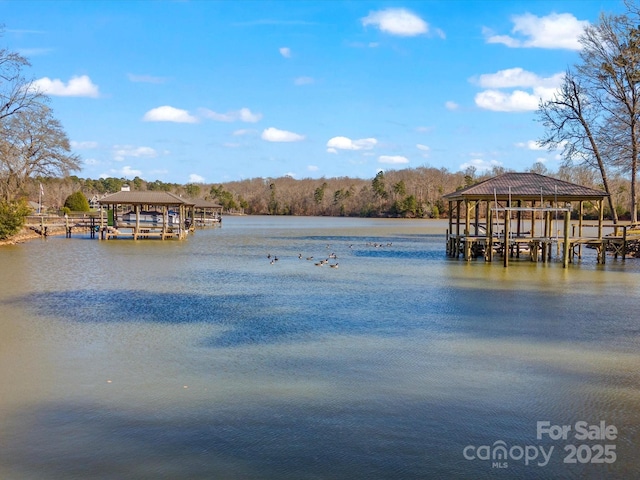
{"x": 424, "y": 149}
{"x": 129, "y": 172}
{"x": 516, "y": 99}
{"x": 344, "y": 143}
{"x": 120, "y": 152}
{"x": 81, "y": 86}
{"x": 167, "y": 113}
{"x": 397, "y": 21}
{"x": 480, "y": 165}
{"x": 393, "y": 159}
{"x": 518, "y": 77}
{"x": 243, "y": 115}
{"x": 557, "y": 30}
{"x": 530, "y": 145}
{"x": 272, "y": 134}
{"x": 195, "y": 178}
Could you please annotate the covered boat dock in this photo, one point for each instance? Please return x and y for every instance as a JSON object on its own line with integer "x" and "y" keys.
{"x": 147, "y": 214}
{"x": 516, "y": 213}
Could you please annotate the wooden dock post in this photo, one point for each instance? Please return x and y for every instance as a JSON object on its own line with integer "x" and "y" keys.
{"x": 566, "y": 246}
{"x": 506, "y": 248}
{"x": 489, "y": 229}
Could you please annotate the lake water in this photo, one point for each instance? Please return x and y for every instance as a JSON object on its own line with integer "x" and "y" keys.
{"x": 201, "y": 359}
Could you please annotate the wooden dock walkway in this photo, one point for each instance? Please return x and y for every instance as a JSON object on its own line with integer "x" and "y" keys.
{"x": 540, "y": 248}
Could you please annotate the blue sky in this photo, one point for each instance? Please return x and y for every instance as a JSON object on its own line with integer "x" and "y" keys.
{"x": 215, "y": 91}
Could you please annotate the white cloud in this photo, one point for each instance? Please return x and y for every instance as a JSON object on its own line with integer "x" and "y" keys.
{"x": 169, "y": 114}
{"x": 424, "y": 149}
{"x": 127, "y": 172}
{"x": 518, "y": 77}
{"x": 272, "y": 134}
{"x": 88, "y": 145}
{"x": 518, "y": 100}
{"x": 530, "y": 145}
{"x": 91, "y": 161}
{"x": 557, "y": 30}
{"x": 303, "y": 81}
{"x": 195, "y": 178}
{"x": 244, "y": 115}
{"x": 480, "y": 165}
{"x": 285, "y": 52}
{"x": 397, "y": 21}
{"x": 242, "y": 131}
{"x": 312, "y": 168}
{"x": 81, "y": 86}
{"x": 344, "y": 143}
{"x": 145, "y": 78}
{"x": 393, "y": 159}
{"x": 363, "y": 45}
{"x": 247, "y": 116}
{"x": 451, "y": 105}
{"x": 120, "y": 152}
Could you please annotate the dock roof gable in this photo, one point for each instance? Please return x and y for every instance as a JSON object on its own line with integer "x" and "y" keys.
{"x": 144, "y": 198}
{"x": 526, "y": 186}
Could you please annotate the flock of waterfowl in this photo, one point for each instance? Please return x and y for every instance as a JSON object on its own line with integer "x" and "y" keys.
{"x": 327, "y": 258}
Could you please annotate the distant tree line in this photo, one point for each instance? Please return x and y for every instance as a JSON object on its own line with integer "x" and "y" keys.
{"x": 407, "y": 193}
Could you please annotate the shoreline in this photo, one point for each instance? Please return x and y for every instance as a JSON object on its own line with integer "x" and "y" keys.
{"x": 26, "y": 234}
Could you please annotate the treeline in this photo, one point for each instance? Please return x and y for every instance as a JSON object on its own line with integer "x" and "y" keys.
{"x": 412, "y": 193}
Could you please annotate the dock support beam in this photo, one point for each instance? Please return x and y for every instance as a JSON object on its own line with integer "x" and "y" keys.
{"x": 566, "y": 246}
{"x": 505, "y": 250}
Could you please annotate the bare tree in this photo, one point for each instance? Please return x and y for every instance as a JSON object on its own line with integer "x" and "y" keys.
{"x": 611, "y": 66}
{"x": 16, "y": 93}
{"x": 572, "y": 119}
{"x": 32, "y": 143}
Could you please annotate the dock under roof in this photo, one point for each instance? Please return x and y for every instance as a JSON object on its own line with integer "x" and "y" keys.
{"x": 156, "y": 215}
{"x": 523, "y": 198}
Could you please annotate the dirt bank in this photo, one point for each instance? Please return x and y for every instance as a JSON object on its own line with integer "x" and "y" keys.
{"x": 27, "y": 234}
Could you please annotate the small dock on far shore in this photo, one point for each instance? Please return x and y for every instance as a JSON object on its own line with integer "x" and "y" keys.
{"x": 138, "y": 215}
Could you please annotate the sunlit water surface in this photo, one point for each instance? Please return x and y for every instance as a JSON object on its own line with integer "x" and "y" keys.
{"x": 201, "y": 359}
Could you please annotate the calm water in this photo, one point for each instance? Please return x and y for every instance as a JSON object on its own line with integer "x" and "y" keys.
{"x": 202, "y": 360}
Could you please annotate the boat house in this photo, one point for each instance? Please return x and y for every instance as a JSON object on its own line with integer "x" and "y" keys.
{"x": 521, "y": 212}
{"x": 206, "y": 214}
{"x": 147, "y": 214}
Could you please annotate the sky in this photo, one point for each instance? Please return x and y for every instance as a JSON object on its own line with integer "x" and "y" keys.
{"x": 198, "y": 91}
